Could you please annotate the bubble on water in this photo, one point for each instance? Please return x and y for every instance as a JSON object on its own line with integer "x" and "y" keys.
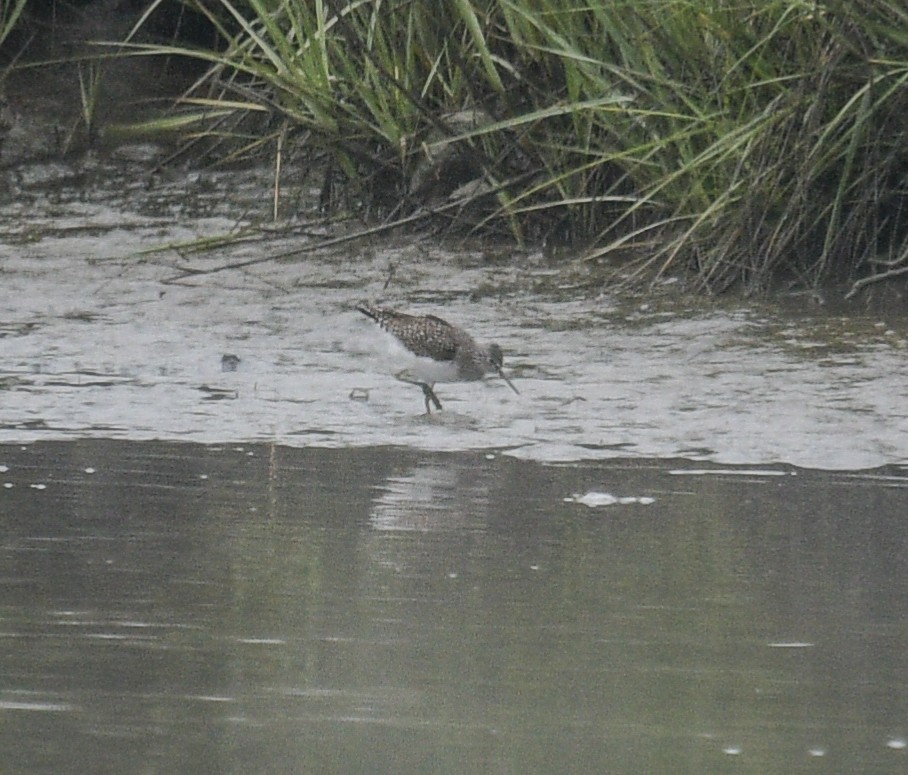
{"x": 8, "y": 485}
{"x": 38, "y": 486}
{"x": 3, "y": 469}
{"x": 89, "y": 470}
{"x": 594, "y": 499}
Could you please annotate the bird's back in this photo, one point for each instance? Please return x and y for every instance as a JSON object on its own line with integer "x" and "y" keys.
{"x": 426, "y": 336}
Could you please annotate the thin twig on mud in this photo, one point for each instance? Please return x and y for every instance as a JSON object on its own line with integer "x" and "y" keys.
{"x": 188, "y": 271}
{"x": 864, "y": 281}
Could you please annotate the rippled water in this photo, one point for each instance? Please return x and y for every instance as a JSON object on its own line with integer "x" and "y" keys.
{"x": 252, "y": 608}
{"x": 95, "y": 343}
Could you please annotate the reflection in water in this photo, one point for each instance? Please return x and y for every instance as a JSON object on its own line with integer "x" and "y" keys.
{"x": 433, "y": 496}
{"x": 261, "y": 609}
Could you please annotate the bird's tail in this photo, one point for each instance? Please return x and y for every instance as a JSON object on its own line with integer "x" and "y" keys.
{"x": 370, "y": 311}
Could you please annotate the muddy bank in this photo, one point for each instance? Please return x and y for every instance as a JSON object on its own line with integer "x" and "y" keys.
{"x": 97, "y": 342}
{"x": 68, "y": 86}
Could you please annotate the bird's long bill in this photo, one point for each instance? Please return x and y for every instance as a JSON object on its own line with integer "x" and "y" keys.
{"x": 510, "y": 384}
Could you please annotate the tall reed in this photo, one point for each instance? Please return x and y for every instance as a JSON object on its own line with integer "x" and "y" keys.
{"x": 10, "y": 13}
{"x": 745, "y": 142}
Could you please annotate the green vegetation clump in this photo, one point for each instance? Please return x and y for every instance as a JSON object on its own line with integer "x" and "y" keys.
{"x": 742, "y": 142}
{"x": 10, "y": 11}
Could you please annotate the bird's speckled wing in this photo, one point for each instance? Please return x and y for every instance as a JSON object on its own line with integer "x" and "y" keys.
{"x": 423, "y": 335}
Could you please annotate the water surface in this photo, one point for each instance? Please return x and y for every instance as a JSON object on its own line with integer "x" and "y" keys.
{"x": 254, "y": 608}
{"x": 232, "y": 542}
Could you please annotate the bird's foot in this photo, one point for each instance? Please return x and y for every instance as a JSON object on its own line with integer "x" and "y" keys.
{"x": 427, "y": 391}
{"x": 430, "y": 396}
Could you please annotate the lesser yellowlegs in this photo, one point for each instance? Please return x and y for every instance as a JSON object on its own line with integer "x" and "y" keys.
{"x": 438, "y": 351}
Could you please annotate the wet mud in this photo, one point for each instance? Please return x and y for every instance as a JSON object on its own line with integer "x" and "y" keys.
{"x": 97, "y": 340}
